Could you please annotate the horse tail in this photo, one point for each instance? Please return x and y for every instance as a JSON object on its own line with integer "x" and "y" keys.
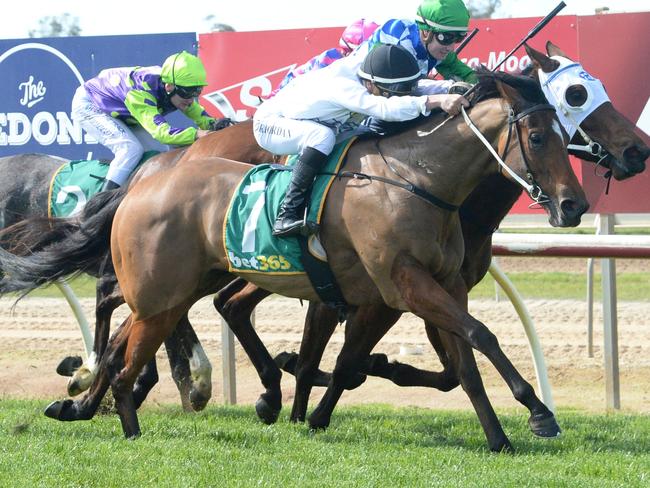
{"x": 45, "y": 250}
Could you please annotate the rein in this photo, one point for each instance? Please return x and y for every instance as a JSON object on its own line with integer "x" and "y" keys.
{"x": 531, "y": 187}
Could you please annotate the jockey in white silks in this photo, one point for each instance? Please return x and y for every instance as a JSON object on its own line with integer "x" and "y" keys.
{"x": 306, "y": 116}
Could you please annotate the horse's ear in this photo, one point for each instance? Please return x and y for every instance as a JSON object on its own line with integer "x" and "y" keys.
{"x": 510, "y": 94}
{"x": 541, "y": 61}
{"x": 553, "y": 50}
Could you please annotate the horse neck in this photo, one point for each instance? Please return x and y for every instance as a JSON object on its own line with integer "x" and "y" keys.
{"x": 451, "y": 162}
{"x": 488, "y": 204}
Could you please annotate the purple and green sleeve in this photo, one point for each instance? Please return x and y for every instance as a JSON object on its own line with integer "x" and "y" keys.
{"x": 143, "y": 108}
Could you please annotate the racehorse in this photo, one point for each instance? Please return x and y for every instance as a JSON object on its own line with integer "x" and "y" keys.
{"x": 400, "y": 266}
{"x": 612, "y": 143}
{"x": 625, "y": 146}
{"x": 24, "y": 194}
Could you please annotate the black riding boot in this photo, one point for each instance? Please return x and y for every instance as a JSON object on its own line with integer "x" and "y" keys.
{"x": 109, "y": 185}
{"x": 290, "y": 220}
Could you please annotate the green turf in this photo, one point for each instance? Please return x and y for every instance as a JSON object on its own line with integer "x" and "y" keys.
{"x": 374, "y": 445}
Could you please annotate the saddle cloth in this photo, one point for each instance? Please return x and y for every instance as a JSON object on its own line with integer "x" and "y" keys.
{"x": 75, "y": 182}
{"x": 248, "y": 240}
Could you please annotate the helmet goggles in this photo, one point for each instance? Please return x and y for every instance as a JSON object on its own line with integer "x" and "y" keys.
{"x": 187, "y": 92}
{"x": 396, "y": 89}
{"x": 448, "y": 38}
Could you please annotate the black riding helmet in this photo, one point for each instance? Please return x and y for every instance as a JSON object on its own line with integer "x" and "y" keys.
{"x": 392, "y": 68}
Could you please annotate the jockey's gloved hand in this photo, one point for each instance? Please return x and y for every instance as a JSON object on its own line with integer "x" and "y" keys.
{"x": 218, "y": 124}
{"x": 459, "y": 88}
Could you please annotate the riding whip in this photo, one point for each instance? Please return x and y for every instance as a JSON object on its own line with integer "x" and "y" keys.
{"x": 540, "y": 25}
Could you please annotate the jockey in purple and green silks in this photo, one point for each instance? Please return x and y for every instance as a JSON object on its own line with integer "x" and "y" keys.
{"x": 351, "y": 38}
{"x": 125, "y": 108}
{"x": 438, "y": 26}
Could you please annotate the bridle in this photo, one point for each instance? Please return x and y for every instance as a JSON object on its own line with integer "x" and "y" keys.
{"x": 533, "y": 189}
{"x": 553, "y": 83}
{"x": 529, "y": 184}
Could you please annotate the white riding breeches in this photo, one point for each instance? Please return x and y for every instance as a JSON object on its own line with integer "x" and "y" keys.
{"x": 280, "y": 135}
{"x": 127, "y": 144}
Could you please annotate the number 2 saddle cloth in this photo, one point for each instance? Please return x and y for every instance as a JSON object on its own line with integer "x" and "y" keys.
{"x": 75, "y": 182}
{"x": 248, "y": 240}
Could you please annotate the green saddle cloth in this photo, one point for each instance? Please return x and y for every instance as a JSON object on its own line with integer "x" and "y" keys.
{"x": 75, "y": 182}
{"x": 248, "y": 239}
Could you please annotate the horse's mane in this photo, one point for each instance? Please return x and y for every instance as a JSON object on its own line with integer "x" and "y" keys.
{"x": 486, "y": 88}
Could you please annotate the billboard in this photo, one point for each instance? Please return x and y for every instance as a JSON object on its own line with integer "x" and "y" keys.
{"x": 38, "y": 78}
{"x": 244, "y": 66}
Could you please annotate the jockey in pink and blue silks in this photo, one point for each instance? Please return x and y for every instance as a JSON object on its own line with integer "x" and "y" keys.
{"x": 351, "y": 38}
{"x": 125, "y": 108}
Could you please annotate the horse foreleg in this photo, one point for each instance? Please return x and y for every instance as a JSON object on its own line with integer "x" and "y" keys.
{"x": 236, "y": 311}
{"x": 320, "y": 323}
{"x": 108, "y": 298}
{"x": 190, "y": 366}
{"x": 363, "y": 330}
{"x": 426, "y": 298}
{"x": 406, "y": 375}
{"x": 470, "y": 379}
{"x": 142, "y": 339}
{"x": 85, "y": 408}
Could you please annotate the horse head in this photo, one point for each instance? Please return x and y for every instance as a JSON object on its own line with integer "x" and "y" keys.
{"x": 598, "y": 132}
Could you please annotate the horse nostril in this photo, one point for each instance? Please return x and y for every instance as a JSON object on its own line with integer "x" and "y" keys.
{"x": 636, "y": 154}
{"x": 571, "y": 208}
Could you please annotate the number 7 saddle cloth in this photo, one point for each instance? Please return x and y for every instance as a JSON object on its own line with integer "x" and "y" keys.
{"x": 248, "y": 240}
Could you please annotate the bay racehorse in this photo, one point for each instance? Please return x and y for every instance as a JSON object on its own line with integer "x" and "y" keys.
{"x": 605, "y": 137}
{"x": 400, "y": 266}
{"x": 612, "y": 144}
{"x": 627, "y": 148}
{"x": 24, "y": 194}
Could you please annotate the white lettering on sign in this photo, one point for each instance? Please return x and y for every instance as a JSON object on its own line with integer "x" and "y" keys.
{"x": 513, "y": 64}
{"x": 32, "y": 93}
{"x": 16, "y": 129}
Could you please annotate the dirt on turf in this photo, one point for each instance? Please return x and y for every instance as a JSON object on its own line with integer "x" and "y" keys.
{"x": 39, "y": 332}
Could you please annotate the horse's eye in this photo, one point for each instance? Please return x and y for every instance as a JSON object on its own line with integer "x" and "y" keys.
{"x": 536, "y": 139}
{"x": 576, "y": 95}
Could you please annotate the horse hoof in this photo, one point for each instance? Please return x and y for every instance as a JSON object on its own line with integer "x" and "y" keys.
{"x": 503, "y": 447}
{"x": 69, "y": 365}
{"x": 316, "y": 423}
{"x": 56, "y": 409}
{"x": 265, "y": 412}
{"x": 544, "y": 425}
{"x": 81, "y": 381}
{"x": 199, "y": 400}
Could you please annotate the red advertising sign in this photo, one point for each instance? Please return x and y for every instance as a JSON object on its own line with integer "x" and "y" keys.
{"x": 244, "y": 66}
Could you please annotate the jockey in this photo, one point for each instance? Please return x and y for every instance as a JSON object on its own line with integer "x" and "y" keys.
{"x": 124, "y": 109}
{"x": 306, "y": 116}
{"x": 352, "y": 37}
{"x": 439, "y": 25}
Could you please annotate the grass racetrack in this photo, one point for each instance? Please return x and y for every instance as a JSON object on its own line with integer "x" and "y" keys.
{"x": 365, "y": 446}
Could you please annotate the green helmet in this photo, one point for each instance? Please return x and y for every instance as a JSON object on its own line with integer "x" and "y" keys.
{"x": 184, "y": 69}
{"x": 442, "y": 16}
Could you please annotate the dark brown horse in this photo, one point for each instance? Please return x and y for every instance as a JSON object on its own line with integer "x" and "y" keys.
{"x": 625, "y": 155}
{"x": 402, "y": 267}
